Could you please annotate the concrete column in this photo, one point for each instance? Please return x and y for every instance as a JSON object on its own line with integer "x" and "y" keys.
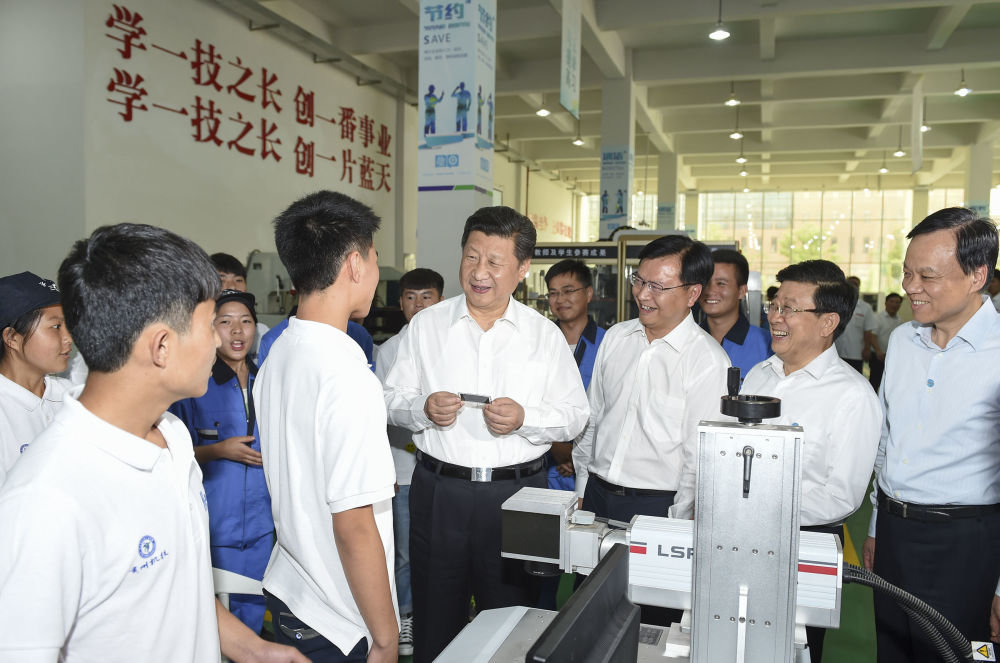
{"x": 920, "y": 204}
{"x": 979, "y": 178}
{"x": 617, "y": 151}
{"x": 666, "y": 191}
{"x": 691, "y": 211}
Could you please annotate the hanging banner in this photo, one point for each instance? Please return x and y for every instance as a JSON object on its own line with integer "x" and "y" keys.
{"x": 569, "y": 82}
{"x": 616, "y": 177}
{"x": 457, "y": 96}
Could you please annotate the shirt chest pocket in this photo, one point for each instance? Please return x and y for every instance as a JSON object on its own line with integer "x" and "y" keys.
{"x": 213, "y": 425}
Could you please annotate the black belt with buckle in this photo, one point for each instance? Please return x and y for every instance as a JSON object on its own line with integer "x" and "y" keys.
{"x": 933, "y": 513}
{"x": 615, "y": 489}
{"x": 481, "y": 474}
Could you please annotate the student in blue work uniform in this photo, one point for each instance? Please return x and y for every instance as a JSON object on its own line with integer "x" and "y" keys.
{"x": 747, "y": 345}
{"x": 223, "y": 427}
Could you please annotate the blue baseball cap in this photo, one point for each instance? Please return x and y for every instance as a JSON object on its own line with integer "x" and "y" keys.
{"x": 23, "y": 293}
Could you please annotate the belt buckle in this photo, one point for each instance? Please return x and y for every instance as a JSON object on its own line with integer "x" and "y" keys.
{"x": 904, "y": 509}
{"x": 482, "y": 474}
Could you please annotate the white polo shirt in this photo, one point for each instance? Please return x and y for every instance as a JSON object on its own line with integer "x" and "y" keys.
{"x": 400, "y": 439}
{"x": 851, "y": 343}
{"x": 104, "y": 554}
{"x": 322, "y": 433}
{"x": 23, "y": 416}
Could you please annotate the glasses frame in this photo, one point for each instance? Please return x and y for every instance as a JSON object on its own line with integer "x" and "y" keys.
{"x": 654, "y": 287}
{"x": 774, "y": 308}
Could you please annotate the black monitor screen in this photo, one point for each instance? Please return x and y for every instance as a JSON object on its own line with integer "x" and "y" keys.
{"x": 598, "y": 624}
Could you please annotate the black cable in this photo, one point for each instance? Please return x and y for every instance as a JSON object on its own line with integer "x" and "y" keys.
{"x": 944, "y": 650}
{"x": 912, "y": 605}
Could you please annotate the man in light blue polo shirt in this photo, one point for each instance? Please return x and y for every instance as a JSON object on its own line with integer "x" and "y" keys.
{"x": 745, "y": 344}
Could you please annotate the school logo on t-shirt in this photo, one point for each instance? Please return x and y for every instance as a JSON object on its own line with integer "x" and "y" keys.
{"x": 23, "y": 447}
{"x": 147, "y": 546}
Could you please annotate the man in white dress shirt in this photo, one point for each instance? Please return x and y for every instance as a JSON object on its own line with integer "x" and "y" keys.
{"x": 839, "y": 413}
{"x": 655, "y": 377}
{"x": 854, "y": 344}
{"x": 471, "y": 456}
{"x": 936, "y": 529}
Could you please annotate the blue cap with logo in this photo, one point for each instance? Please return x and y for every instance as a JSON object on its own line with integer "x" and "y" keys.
{"x": 23, "y": 293}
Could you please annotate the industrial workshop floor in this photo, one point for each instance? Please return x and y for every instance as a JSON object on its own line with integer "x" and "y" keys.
{"x": 854, "y": 642}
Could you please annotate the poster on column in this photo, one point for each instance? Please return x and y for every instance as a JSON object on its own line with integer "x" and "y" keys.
{"x": 457, "y": 96}
{"x": 569, "y": 83}
{"x": 616, "y": 179}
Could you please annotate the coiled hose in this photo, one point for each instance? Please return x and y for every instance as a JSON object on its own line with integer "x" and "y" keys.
{"x": 946, "y": 638}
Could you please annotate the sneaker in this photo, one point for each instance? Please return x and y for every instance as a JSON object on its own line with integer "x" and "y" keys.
{"x": 406, "y": 636}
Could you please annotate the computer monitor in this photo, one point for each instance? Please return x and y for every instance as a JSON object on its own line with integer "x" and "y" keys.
{"x": 598, "y": 624}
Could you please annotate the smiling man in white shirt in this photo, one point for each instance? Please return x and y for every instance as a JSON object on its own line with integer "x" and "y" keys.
{"x": 839, "y": 413}
{"x": 473, "y": 456}
{"x": 936, "y": 529}
{"x": 655, "y": 377}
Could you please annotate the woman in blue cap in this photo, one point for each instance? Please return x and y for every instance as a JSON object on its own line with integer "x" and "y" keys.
{"x": 223, "y": 426}
{"x": 34, "y": 344}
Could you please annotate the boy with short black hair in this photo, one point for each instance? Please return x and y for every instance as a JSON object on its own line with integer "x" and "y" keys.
{"x": 232, "y": 273}
{"x": 105, "y": 548}
{"x": 326, "y": 457}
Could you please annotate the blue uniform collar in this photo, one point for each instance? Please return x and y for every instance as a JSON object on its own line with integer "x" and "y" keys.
{"x": 737, "y": 333}
{"x": 590, "y": 334}
{"x": 222, "y": 374}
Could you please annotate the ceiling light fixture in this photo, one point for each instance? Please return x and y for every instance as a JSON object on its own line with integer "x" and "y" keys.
{"x": 883, "y": 169}
{"x": 578, "y": 141}
{"x": 543, "y": 112}
{"x": 736, "y": 135}
{"x": 746, "y": 189}
{"x": 743, "y": 172}
{"x": 924, "y": 127}
{"x": 732, "y": 100}
{"x": 899, "y": 150}
{"x": 741, "y": 159}
{"x": 720, "y": 32}
{"x": 963, "y": 89}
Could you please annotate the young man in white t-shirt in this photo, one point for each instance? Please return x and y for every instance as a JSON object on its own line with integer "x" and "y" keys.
{"x": 104, "y": 554}
{"x": 326, "y": 456}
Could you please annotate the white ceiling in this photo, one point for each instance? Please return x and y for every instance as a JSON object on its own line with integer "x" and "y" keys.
{"x": 826, "y": 85}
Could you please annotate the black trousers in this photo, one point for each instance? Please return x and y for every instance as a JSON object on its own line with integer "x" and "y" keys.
{"x": 856, "y": 364}
{"x": 606, "y": 504}
{"x": 455, "y": 554}
{"x": 816, "y": 634}
{"x": 875, "y": 369}
{"x": 952, "y": 565}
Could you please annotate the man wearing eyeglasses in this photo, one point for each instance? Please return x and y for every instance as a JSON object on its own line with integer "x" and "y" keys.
{"x": 570, "y": 292}
{"x": 655, "y": 378}
{"x": 839, "y": 413}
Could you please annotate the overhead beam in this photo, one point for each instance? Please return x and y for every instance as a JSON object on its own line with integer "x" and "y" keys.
{"x": 945, "y": 21}
{"x": 624, "y": 14}
{"x": 766, "y": 37}
{"x": 817, "y": 57}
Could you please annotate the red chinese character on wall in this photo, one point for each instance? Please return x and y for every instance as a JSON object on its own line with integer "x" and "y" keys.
{"x": 367, "y": 126}
{"x": 305, "y": 112}
{"x": 366, "y": 173}
{"x": 206, "y": 122}
{"x": 347, "y": 166}
{"x": 131, "y": 90}
{"x": 266, "y": 142}
{"x": 235, "y": 143}
{"x": 267, "y": 95}
{"x": 383, "y": 174}
{"x": 235, "y": 87}
{"x": 383, "y": 141}
{"x": 305, "y": 157}
{"x": 127, "y": 23}
{"x": 206, "y": 65}
{"x": 347, "y": 124}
